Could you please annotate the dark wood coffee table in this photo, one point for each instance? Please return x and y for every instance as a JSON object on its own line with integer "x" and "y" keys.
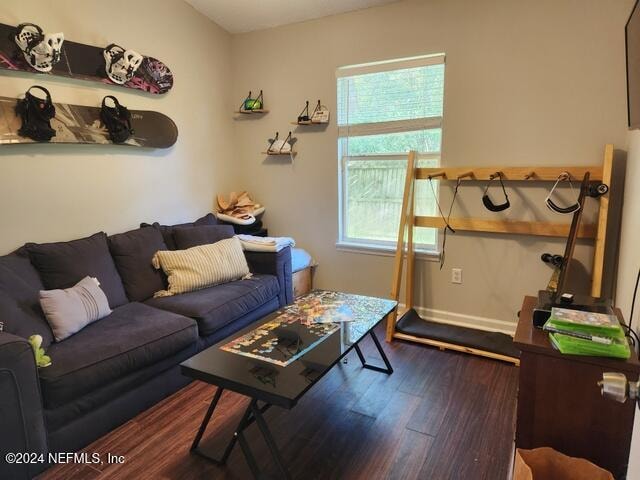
{"x": 276, "y": 360}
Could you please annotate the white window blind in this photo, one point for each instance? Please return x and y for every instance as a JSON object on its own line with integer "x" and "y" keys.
{"x": 384, "y": 110}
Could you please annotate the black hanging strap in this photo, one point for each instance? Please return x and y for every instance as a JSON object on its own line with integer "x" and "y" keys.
{"x": 486, "y": 200}
{"x": 447, "y": 225}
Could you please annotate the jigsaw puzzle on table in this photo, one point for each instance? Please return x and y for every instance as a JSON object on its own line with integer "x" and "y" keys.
{"x": 306, "y": 323}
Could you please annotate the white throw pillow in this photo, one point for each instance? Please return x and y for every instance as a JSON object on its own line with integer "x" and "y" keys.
{"x": 70, "y": 310}
{"x": 202, "y": 266}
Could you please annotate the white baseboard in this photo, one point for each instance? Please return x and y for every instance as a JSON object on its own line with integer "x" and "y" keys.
{"x": 469, "y": 321}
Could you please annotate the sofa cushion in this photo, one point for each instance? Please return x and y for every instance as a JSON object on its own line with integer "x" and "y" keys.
{"x": 133, "y": 337}
{"x": 20, "y": 310}
{"x": 132, "y": 253}
{"x": 215, "y": 307}
{"x": 63, "y": 264}
{"x": 167, "y": 230}
{"x": 187, "y": 237}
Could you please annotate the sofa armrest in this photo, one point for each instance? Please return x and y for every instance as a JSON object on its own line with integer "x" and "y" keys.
{"x": 274, "y": 263}
{"x": 21, "y": 416}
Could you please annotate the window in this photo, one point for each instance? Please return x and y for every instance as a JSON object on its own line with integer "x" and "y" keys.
{"x": 384, "y": 110}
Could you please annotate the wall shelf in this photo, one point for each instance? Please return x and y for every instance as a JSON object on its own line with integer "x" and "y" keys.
{"x": 309, "y": 123}
{"x": 289, "y": 154}
{"x": 250, "y": 112}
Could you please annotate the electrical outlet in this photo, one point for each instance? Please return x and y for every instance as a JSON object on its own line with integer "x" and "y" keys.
{"x": 456, "y": 275}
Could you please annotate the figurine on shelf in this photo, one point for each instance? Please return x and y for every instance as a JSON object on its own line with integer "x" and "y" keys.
{"x": 249, "y": 104}
{"x": 320, "y": 114}
{"x": 277, "y": 147}
{"x": 303, "y": 118}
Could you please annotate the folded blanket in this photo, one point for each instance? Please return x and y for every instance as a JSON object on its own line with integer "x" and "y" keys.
{"x": 252, "y": 243}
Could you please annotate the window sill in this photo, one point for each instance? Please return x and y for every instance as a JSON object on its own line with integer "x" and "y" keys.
{"x": 384, "y": 251}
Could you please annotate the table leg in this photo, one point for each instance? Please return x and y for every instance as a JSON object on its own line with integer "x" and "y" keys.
{"x": 388, "y": 370}
{"x": 273, "y": 448}
{"x": 253, "y": 413}
{"x": 244, "y": 422}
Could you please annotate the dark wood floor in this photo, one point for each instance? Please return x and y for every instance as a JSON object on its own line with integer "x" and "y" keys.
{"x": 440, "y": 416}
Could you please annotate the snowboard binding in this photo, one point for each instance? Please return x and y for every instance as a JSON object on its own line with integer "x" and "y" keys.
{"x": 121, "y": 64}
{"x": 117, "y": 119}
{"x": 36, "y": 114}
{"x": 40, "y": 50}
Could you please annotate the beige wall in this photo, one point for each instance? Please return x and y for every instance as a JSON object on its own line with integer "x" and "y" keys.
{"x": 539, "y": 83}
{"x": 629, "y": 265}
{"x": 526, "y": 83}
{"x": 55, "y": 192}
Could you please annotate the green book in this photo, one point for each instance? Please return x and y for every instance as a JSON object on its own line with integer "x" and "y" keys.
{"x": 571, "y": 345}
{"x": 591, "y": 323}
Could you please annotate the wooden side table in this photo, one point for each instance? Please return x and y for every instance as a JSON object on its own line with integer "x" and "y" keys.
{"x": 559, "y": 401}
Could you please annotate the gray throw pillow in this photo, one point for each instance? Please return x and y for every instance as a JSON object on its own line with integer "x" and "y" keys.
{"x": 70, "y": 310}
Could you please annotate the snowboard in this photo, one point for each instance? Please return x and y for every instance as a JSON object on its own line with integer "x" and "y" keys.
{"x": 86, "y": 62}
{"x": 82, "y": 125}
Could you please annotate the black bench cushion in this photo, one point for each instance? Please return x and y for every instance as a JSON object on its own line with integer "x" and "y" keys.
{"x": 133, "y": 337}
{"x": 217, "y": 306}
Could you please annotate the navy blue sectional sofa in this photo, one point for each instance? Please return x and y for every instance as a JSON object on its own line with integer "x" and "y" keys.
{"x": 124, "y": 363}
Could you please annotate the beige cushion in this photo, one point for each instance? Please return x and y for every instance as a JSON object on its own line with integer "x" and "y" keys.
{"x": 202, "y": 266}
{"x": 70, "y": 310}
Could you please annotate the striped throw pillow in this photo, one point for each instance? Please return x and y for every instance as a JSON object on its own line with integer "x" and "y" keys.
{"x": 202, "y": 266}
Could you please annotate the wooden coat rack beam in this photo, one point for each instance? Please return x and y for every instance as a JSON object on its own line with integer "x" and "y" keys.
{"x": 529, "y": 174}
{"x": 543, "y": 229}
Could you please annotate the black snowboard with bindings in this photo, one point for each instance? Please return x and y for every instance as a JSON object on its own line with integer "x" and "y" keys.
{"x": 28, "y": 48}
{"x": 36, "y": 119}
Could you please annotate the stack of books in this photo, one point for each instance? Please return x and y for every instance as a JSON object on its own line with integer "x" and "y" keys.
{"x": 575, "y": 332}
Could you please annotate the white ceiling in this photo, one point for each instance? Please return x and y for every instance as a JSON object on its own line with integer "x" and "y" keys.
{"x": 238, "y": 16}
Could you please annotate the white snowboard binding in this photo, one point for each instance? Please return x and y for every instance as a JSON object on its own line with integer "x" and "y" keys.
{"x": 121, "y": 64}
{"x": 40, "y": 50}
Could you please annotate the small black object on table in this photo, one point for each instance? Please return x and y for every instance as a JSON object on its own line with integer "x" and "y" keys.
{"x": 302, "y": 346}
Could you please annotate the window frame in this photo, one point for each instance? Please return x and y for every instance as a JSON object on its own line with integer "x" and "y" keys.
{"x": 380, "y": 247}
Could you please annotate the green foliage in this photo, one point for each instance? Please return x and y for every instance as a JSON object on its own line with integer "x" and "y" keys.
{"x": 374, "y": 187}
